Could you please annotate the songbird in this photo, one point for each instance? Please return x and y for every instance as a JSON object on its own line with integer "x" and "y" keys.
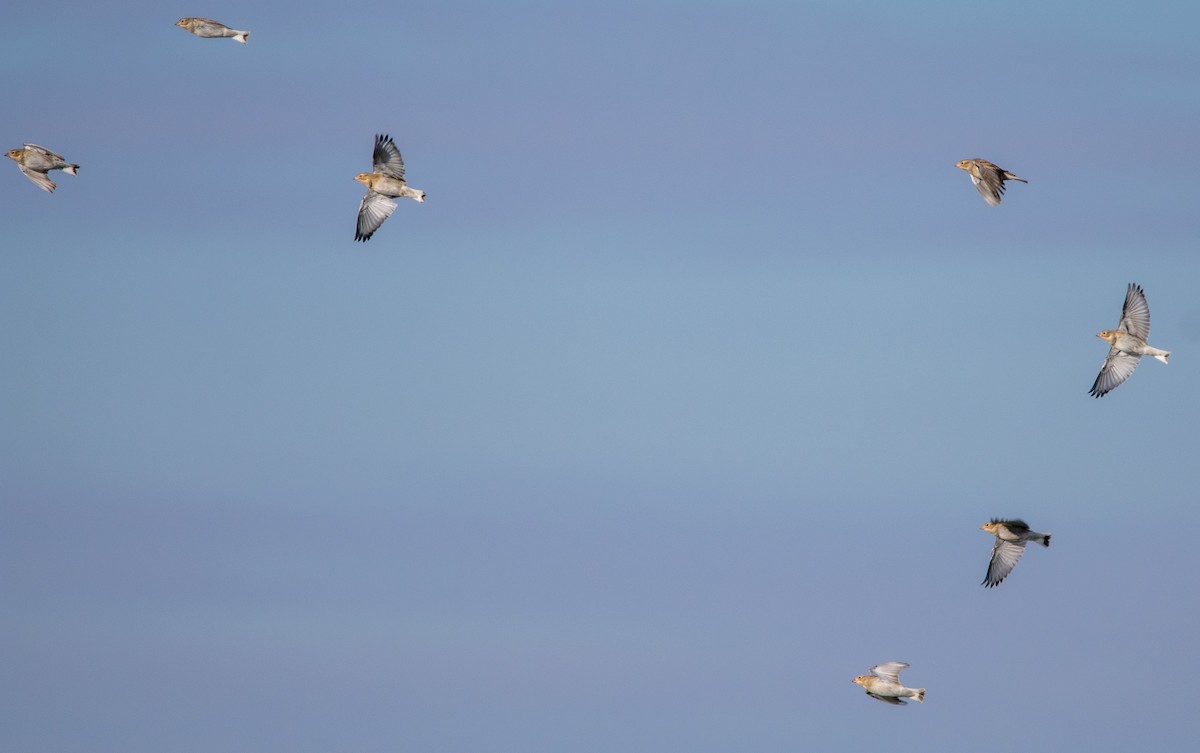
{"x": 1011, "y": 538}
{"x": 1128, "y": 343}
{"x": 210, "y": 29}
{"x": 884, "y": 684}
{"x": 35, "y": 161}
{"x": 383, "y": 185}
{"x": 988, "y": 178}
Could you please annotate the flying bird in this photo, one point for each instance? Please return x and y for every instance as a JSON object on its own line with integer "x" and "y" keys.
{"x": 883, "y": 684}
{"x": 988, "y": 178}
{"x": 210, "y": 29}
{"x": 1011, "y": 538}
{"x": 1128, "y": 343}
{"x": 383, "y": 185}
{"x": 36, "y": 161}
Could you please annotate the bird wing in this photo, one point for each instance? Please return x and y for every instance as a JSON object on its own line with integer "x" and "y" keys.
{"x": 44, "y": 152}
{"x": 38, "y": 177}
{"x": 1118, "y": 366}
{"x": 889, "y": 670}
{"x": 988, "y": 182}
{"x": 386, "y": 159}
{"x": 1135, "y": 316}
{"x": 374, "y": 209}
{"x": 1004, "y": 558}
{"x": 1016, "y": 526}
{"x": 888, "y": 699}
{"x": 209, "y": 25}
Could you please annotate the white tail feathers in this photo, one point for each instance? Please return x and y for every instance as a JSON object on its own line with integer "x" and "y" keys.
{"x": 1162, "y": 355}
{"x": 71, "y": 169}
{"x": 241, "y": 36}
{"x": 920, "y": 696}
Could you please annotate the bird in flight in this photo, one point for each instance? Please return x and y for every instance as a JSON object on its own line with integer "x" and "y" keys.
{"x": 884, "y": 684}
{"x": 1011, "y": 538}
{"x": 988, "y": 178}
{"x": 210, "y": 29}
{"x": 383, "y": 185}
{"x": 1128, "y": 343}
{"x": 36, "y": 161}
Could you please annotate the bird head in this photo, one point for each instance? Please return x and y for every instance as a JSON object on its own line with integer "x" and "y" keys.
{"x": 963, "y": 164}
{"x": 13, "y": 153}
{"x": 1107, "y": 335}
{"x": 989, "y": 526}
{"x": 860, "y": 679}
{"x": 367, "y": 179}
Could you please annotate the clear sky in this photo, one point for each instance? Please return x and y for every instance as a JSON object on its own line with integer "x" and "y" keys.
{"x": 677, "y": 405}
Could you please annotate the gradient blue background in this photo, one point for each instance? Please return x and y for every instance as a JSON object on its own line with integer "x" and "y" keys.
{"x": 677, "y": 405}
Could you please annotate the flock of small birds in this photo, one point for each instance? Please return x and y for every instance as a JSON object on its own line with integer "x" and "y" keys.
{"x": 1128, "y": 345}
{"x": 386, "y": 182}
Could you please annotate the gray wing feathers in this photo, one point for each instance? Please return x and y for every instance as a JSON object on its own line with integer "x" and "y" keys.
{"x": 1118, "y": 366}
{"x": 374, "y": 209}
{"x": 1004, "y": 558}
{"x": 1135, "y": 316}
{"x": 38, "y": 177}
{"x": 990, "y": 184}
{"x": 889, "y": 670}
{"x": 386, "y": 158}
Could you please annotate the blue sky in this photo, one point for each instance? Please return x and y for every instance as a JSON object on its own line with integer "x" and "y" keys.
{"x": 678, "y": 404}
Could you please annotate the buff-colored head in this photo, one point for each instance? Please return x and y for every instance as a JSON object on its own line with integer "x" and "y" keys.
{"x": 861, "y": 680}
{"x": 991, "y": 527}
{"x": 14, "y": 153}
{"x": 1108, "y": 336}
{"x": 963, "y": 164}
{"x": 367, "y": 179}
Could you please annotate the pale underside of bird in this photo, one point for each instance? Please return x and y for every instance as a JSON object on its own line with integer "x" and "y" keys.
{"x": 883, "y": 684}
{"x": 384, "y": 184}
{"x": 1011, "y": 537}
{"x": 210, "y": 29}
{"x": 1128, "y": 343}
{"x": 36, "y": 161}
{"x": 988, "y": 178}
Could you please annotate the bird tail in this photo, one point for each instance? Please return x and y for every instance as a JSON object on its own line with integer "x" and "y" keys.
{"x": 1161, "y": 355}
{"x": 1046, "y": 539}
{"x": 71, "y": 169}
{"x": 920, "y": 696}
{"x": 1010, "y": 176}
{"x": 241, "y": 36}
